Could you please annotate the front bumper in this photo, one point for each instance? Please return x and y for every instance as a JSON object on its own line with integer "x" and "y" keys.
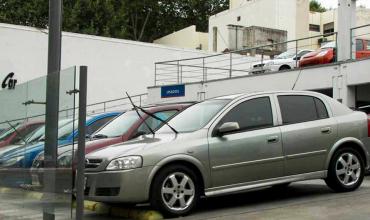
{"x": 125, "y": 186}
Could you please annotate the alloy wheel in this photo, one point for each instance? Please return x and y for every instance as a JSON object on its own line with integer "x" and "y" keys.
{"x": 348, "y": 169}
{"x": 178, "y": 191}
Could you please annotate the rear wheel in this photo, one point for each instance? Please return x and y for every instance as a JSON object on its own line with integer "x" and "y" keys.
{"x": 282, "y": 68}
{"x": 175, "y": 191}
{"x": 346, "y": 170}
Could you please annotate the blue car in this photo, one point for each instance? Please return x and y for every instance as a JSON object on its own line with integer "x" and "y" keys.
{"x": 23, "y": 156}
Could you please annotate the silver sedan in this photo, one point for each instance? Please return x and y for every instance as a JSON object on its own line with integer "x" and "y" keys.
{"x": 234, "y": 144}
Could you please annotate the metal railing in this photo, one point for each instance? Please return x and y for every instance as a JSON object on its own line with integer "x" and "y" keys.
{"x": 120, "y": 104}
{"x": 235, "y": 63}
{"x": 360, "y": 42}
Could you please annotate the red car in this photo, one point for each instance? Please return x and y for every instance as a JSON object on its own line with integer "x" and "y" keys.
{"x": 10, "y": 136}
{"x": 362, "y": 48}
{"x": 327, "y": 53}
{"x": 324, "y": 55}
{"x": 123, "y": 128}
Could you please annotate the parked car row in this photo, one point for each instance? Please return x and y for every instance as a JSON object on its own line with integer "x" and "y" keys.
{"x": 220, "y": 146}
{"x": 303, "y": 58}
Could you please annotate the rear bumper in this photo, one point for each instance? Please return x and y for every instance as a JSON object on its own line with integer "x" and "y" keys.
{"x": 366, "y": 142}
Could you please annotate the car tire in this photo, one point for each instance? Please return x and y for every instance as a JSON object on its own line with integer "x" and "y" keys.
{"x": 175, "y": 191}
{"x": 282, "y": 68}
{"x": 346, "y": 170}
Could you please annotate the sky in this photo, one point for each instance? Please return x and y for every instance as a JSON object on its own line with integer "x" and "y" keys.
{"x": 334, "y": 3}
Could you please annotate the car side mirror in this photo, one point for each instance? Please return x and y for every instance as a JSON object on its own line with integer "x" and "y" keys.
{"x": 228, "y": 127}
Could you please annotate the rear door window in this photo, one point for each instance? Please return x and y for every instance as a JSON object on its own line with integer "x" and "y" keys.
{"x": 298, "y": 109}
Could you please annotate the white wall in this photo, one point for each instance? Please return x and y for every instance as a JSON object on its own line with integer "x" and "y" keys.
{"x": 187, "y": 38}
{"x": 289, "y": 15}
{"x": 115, "y": 66}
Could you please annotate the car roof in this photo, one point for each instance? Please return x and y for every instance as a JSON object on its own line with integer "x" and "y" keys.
{"x": 255, "y": 93}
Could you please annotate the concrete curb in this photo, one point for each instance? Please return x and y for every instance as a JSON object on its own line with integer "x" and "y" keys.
{"x": 97, "y": 207}
{"x": 134, "y": 214}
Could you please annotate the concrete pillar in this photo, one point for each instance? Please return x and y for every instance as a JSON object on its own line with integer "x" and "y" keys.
{"x": 341, "y": 91}
{"x": 346, "y": 20}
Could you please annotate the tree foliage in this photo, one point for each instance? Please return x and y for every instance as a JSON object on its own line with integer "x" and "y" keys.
{"x": 316, "y": 6}
{"x": 142, "y": 20}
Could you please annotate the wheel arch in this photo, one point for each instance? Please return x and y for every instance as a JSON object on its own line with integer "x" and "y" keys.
{"x": 285, "y": 65}
{"x": 348, "y": 142}
{"x": 186, "y": 160}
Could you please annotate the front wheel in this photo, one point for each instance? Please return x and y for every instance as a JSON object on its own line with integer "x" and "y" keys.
{"x": 175, "y": 191}
{"x": 346, "y": 170}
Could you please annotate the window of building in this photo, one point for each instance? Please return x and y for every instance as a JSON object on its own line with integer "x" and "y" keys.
{"x": 315, "y": 27}
{"x": 215, "y": 39}
{"x": 238, "y": 18}
{"x": 252, "y": 114}
{"x": 297, "y": 109}
{"x": 329, "y": 28}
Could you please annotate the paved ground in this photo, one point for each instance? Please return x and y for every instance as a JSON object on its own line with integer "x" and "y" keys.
{"x": 306, "y": 200}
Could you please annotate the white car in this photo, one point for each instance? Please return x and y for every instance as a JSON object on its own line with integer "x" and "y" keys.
{"x": 285, "y": 61}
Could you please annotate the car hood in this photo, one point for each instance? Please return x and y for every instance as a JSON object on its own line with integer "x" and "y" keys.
{"x": 29, "y": 149}
{"x": 9, "y": 148}
{"x": 135, "y": 146}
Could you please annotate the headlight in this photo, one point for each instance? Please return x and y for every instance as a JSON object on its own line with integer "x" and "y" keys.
{"x": 125, "y": 163}
{"x": 322, "y": 53}
{"x": 12, "y": 161}
{"x": 65, "y": 160}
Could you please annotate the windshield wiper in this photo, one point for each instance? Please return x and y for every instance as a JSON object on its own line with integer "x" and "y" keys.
{"x": 153, "y": 116}
{"x": 100, "y": 136}
{"x": 16, "y": 131}
{"x": 137, "y": 111}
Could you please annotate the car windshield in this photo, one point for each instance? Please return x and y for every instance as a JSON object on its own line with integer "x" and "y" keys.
{"x": 119, "y": 126}
{"x": 329, "y": 45}
{"x": 195, "y": 117}
{"x": 286, "y": 55}
{"x": 9, "y": 132}
{"x": 65, "y": 131}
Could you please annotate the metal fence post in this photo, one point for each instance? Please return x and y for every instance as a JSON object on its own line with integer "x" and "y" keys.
{"x": 178, "y": 72}
{"x": 52, "y": 106}
{"x": 155, "y": 74}
{"x": 351, "y": 41}
{"x": 231, "y": 65}
{"x": 81, "y": 144}
{"x": 296, "y": 53}
{"x": 204, "y": 70}
{"x": 337, "y": 48}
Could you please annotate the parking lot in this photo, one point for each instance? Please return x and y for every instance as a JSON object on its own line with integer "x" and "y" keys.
{"x": 305, "y": 200}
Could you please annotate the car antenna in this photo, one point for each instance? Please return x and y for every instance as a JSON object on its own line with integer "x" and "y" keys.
{"x": 16, "y": 131}
{"x": 137, "y": 111}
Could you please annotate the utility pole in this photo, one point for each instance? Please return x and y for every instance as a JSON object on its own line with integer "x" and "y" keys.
{"x": 52, "y": 106}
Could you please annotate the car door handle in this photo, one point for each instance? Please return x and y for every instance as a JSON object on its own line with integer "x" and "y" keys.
{"x": 326, "y": 130}
{"x": 273, "y": 139}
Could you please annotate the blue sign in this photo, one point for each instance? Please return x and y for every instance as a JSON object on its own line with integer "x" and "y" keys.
{"x": 172, "y": 91}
